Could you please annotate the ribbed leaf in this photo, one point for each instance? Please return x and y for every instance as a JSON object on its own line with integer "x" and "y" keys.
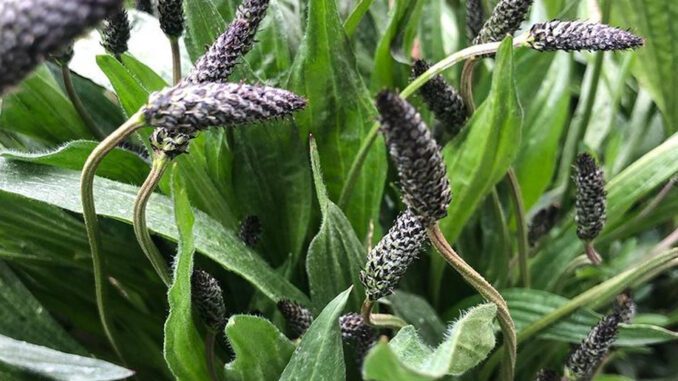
{"x": 203, "y": 25}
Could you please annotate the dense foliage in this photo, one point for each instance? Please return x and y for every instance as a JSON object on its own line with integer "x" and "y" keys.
{"x": 392, "y": 190}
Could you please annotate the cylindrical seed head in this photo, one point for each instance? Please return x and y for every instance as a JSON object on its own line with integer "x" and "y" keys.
{"x": 388, "y": 261}
{"x": 354, "y": 330}
{"x": 250, "y": 230}
{"x": 593, "y": 349}
{"x": 590, "y": 206}
{"x": 31, "y": 30}
{"x": 298, "y": 317}
{"x": 504, "y": 20}
{"x": 218, "y": 63}
{"x": 581, "y": 35}
{"x": 116, "y": 33}
{"x": 145, "y": 6}
{"x": 423, "y": 175}
{"x": 542, "y": 223}
{"x": 171, "y": 15}
{"x": 208, "y": 299}
{"x": 475, "y": 17}
{"x": 442, "y": 99}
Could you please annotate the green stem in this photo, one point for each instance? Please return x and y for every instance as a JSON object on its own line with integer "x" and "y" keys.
{"x": 467, "y": 85}
{"x": 160, "y": 164}
{"x": 77, "y": 104}
{"x": 472, "y": 277}
{"x": 357, "y": 14}
{"x": 176, "y": 60}
{"x": 380, "y": 320}
{"x": 210, "y": 353}
{"x": 519, "y": 207}
{"x": 90, "y": 216}
{"x": 446, "y": 63}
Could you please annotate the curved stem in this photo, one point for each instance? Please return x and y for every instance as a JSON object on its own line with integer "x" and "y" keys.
{"x": 466, "y": 85}
{"x": 592, "y": 254}
{"x": 446, "y": 63}
{"x": 485, "y": 289}
{"x": 210, "y": 340}
{"x": 379, "y": 320}
{"x": 519, "y": 207}
{"x": 90, "y": 216}
{"x": 176, "y": 60}
{"x": 357, "y": 14}
{"x": 77, "y": 104}
{"x": 160, "y": 163}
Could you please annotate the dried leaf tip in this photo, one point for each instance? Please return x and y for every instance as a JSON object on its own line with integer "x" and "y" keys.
{"x": 116, "y": 33}
{"x": 584, "y": 360}
{"x": 355, "y": 330}
{"x": 220, "y": 59}
{"x": 442, "y": 99}
{"x": 581, "y": 35}
{"x": 423, "y": 175}
{"x": 171, "y": 16}
{"x": 388, "y": 261}
{"x": 590, "y": 205}
{"x": 208, "y": 299}
{"x": 31, "y": 30}
{"x": 298, "y": 317}
{"x": 504, "y": 20}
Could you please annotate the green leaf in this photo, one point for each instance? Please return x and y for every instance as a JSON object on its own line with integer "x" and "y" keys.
{"x": 203, "y": 25}
{"x": 527, "y": 306}
{"x": 261, "y": 351}
{"x": 417, "y": 311}
{"x": 335, "y": 255}
{"x": 131, "y": 94}
{"x": 119, "y": 164}
{"x": 61, "y": 188}
{"x": 147, "y": 78}
{"x": 654, "y": 20}
{"x": 545, "y": 120}
{"x": 270, "y": 55}
{"x": 479, "y": 157}
{"x": 39, "y": 109}
{"x": 623, "y": 191}
{"x": 340, "y": 112}
{"x": 320, "y": 355}
{"x": 184, "y": 348}
{"x": 24, "y": 318}
{"x": 467, "y": 342}
{"x": 57, "y": 365}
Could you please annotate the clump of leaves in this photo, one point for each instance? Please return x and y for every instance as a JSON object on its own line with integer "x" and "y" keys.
{"x": 268, "y": 206}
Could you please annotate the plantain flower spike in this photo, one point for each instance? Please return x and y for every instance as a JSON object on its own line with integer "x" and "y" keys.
{"x": 250, "y": 230}
{"x": 584, "y": 360}
{"x": 423, "y": 176}
{"x": 145, "y": 6}
{"x": 542, "y": 223}
{"x": 388, "y": 261}
{"x": 181, "y": 112}
{"x": 442, "y": 99}
{"x": 581, "y": 35}
{"x": 171, "y": 15}
{"x": 475, "y": 17}
{"x": 208, "y": 299}
{"x": 116, "y": 33}
{"x": 591, "y": 198}
{"x": 354, "y": 330}
{"x": 297, "y": 316}
{"x": 32, "y": 30}
{"x": 504, "y": 20}
{"x": 218, "y": 63}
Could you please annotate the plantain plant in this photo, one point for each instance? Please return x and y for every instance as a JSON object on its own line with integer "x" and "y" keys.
{"x": 388, "y": 190}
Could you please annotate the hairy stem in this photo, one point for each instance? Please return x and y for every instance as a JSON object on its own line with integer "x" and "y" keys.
{"x": 446, "y": 63}
{"x": 176, "y": 60}
{"x": 77, "y": 104}
{"x": 210, "y": 353}
{"x": 521, "y": 223}
{"x": 160, "y": 164}
{"x": 379, "y": 320}
{"x": 357, "y": 14}
{"x": 472, "y": 277}
{"x": 90, "y": 216}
